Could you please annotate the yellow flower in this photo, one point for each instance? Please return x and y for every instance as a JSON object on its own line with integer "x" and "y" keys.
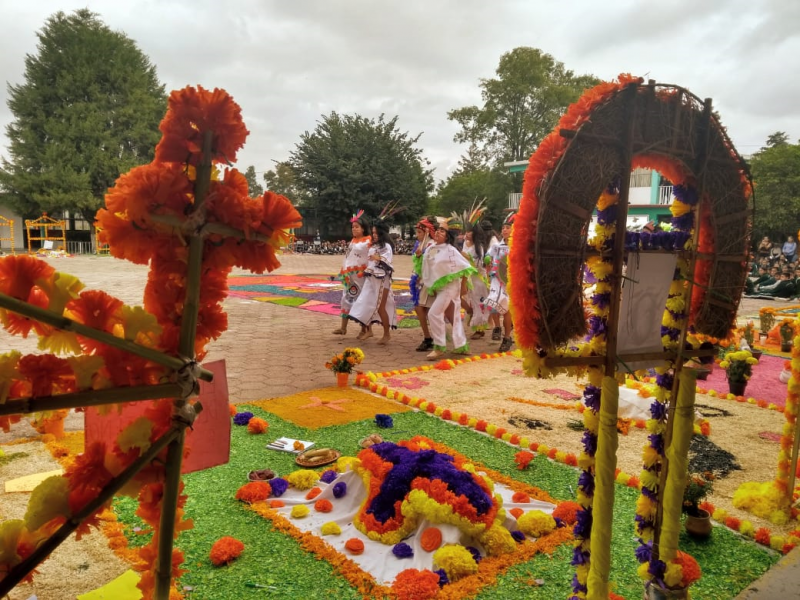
{"x": 48, "y": 500}
{"x": 303, "y": 479}
{"x": 673, "y": 575}
{"x": 456, "y": 561}
{"x": 331, "y": 528}
{"x": 299, "y": 511}
{"x": 536, "y": 523}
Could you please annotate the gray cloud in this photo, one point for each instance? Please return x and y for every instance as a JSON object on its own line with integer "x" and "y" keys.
{"x": 288, "y": 63}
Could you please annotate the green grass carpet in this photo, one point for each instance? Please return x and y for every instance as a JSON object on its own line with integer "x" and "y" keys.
{"x": 729, "y": 562}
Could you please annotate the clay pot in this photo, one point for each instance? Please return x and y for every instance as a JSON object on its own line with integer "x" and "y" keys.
{"x": 737, "y": 388}
{"x": 786, "y": 346}
{"x": 698, "y": 525}
{"x": 756, "y": 354}
{"x": 656, "y": 593}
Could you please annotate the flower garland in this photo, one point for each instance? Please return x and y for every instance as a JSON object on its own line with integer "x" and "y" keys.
{"x": 771, "y": 500}
{"x": 144, "y": 210}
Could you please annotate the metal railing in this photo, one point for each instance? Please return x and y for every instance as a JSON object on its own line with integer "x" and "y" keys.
{"x": 665, "y": 194}
{"x": 513, "y": 200}
{"x": 80, "y": 247}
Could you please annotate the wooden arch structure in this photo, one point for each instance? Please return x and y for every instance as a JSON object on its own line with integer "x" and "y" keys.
{"x": 612, "y": 129}
{"x": 9, "y": 224}
{"x": 46, "y": 229}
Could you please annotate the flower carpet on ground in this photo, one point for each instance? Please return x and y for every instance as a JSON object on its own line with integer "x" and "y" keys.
{"x": 282, "y": 560}
{"x": 763, "y": 385}
{"x": 317, "y": 293}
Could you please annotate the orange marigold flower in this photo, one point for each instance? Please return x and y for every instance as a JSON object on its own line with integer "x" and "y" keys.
{"x": 313, "y": 493}
{"x": 232, "y": 410}
{"x": 255, "y": 491}
{"x": 567, "y": 511}
{"x": 431, "y": 539}
{"x": 225, "y": 550}
{"x": 691, "y": 570}
{"x": 516, "y": 512}
{"x": 354, "y": 546}
{"x": 481, "y": 425}
{"x": 257, "y": 425}
{"x": 324, "y": 505}
{"x": 412, "y": 584}
{"x": 763, "y": 536}
{"x": 520, "y": 498}
{"x": 733, "y": 523}
{"x": 47, "y": 374}
{"x": 277, "y": 503}
{"x": 523, "y": 458}
{"x": 190, "y": 113}
{"x": 18, "y": 275}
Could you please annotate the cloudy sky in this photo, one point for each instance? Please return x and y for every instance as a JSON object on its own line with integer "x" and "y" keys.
{"x": 287, "y": 62}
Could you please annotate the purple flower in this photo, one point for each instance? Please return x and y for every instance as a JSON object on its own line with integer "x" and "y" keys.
{"x": 657, "y": 569}
{"x": 608, "y": 216}
{"x": 658, "y": 410}
{"x": 644, "y": 552}
{"x": 687, "y": 195}
{"x": 644, "y": 238}
{"x": 518, "y": 536}
{"x": 328, "y": 476}
{"x": 443, "y": 580}
{"x": 671, "y": 332}
{"x": 384, "y": 421}
{"x": 583, "y": 524}
{"x": 647, "y": 492}
{"x": 559, "y": 522}
{"x": 588, "y": 276}
{"x": 664, "y": 380}
{"x": 591, "y": 397}
{"x": 589, "y": 441}
{"x": 402, "y": 550}
{"x": 279, "y": 486}
{"x": 597, "y": 325}
{"x": 586, "y": 483}
{"x": 242, "y": 418}
{"x": 684, "y": 222}
{"x": 476, "y": 554}
{"x": 577, "y": 587}
{"x": 657, "y": 442}
{"x": 339, "y": 489}
{"x": 579, "y": 557}
{"x": 602, "y": 300}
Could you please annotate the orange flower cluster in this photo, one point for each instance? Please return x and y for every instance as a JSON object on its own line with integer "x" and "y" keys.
{"x": 354, "y": 546}
{"x": 313, "y": 493}
{"x": 225, "y": 550}
{"x": 255, "y": 491}
{"x": 324, "y": 505}
{"x": 523, "y": 459}
{"x": 257, "y": 425}
{"x": 567, "y": 511}
{"x": 431, "y": 539}
{"x": 691, "y": 570}
{"x": 412, "y": 584}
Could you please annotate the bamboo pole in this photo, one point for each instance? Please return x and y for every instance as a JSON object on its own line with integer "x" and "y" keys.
{"x": 795, "y": 446}
{"x": 699, "y": 170}
{"x": 218, "y": 228}
{"x": 607, "y": 439}
{"x": 60, "y": 322}
{"x": 573, "y": 361}
{"x": 91, "y": 398}
{"x": 20, "y": 571}
{"x": 169, "y": 501}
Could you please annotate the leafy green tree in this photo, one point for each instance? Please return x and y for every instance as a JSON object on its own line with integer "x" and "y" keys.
{"x": 779, "y": 138}
{"x": 351, "y": 162}
{"x": 776, "y": 173}
{"x": 254, "y": 188}
{"x": 520, "y": 106}
{"x": 462, "y": 189}
{"x": 88, "y": 110}
{"x": 282, "y": 180}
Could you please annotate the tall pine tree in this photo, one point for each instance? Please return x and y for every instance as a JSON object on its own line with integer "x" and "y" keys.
{"x": 88, "y": 110}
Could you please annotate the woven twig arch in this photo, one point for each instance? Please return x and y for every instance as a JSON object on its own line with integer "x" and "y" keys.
{"x": 613, "y": 128}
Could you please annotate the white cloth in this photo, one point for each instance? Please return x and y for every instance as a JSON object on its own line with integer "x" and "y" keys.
{"x": 377, "y": 278}
{"x": 497, "y": 300}
{"x": 352, "y": 272}
{"x": 377, "y": 558}
{"x": 450, "y": 293}
{"x": 479, "y": 291}
{"x": 441, "y": 261}
{"x": 634, "y": 406}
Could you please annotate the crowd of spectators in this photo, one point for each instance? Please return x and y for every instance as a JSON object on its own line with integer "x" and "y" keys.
{"x": 340, "y": 246}
{"x": 775, "y": 271}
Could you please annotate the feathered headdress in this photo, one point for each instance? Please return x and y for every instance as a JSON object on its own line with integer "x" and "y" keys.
{"x": 357, "y": 215}
{"x": 390, "y": 210}
{"x": 509, "y": 220}
{"x": 426, "y": 226}
{"x": 470, "y": 218}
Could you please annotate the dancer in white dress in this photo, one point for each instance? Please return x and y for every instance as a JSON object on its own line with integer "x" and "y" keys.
{"x": 443, "y": 269}
{"x": 498, "y": 276}
{"x": 475, "y": 249}
{"x": 376, "y": 304}
{"x": 355, "y": 262}
{"x": 425, "y": 230}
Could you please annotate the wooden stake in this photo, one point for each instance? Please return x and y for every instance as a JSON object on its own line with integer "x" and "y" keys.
{"x": 91, "y": 398}
{"x": 50, "y": 318}
{"x": 20, "y": 571}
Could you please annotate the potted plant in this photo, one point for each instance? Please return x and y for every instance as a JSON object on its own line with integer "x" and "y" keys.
{"x": 738, "y": 367}
{"x": 698, "y": 486}
{"x": 678, "y": 574}
{"x": 787, "y": 333}
{"x": 748, "y": 335}
{"x": 766, "y": 317}
{"x": 343, "y": 364}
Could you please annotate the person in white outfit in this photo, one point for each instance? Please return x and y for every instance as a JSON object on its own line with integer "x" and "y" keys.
{"x": 444, "y": 269}
{"x": 498, "y": 275}
{"x": 475, "y": 249}
{"x": 376, "y": 304}
{"x": 355, "y": 262}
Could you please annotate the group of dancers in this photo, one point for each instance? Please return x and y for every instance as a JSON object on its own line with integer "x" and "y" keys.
{"x": 444, "y": 279}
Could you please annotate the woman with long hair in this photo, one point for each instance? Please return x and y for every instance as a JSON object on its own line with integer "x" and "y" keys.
{"x": 476, "y": 246}
{"x": 376, "y": 304}
{"x": 498, "y": 276}
{"x": 443, "y": 269}
{"x": 425, "y": 230}
{"x": 355, "y": 262}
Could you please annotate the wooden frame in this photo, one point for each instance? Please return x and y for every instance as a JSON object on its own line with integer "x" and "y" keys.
{"x": 46, "y": 223}
{"x": 10, "y": 224}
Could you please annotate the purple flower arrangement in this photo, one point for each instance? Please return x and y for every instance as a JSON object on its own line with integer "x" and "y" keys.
{"x": 384, "y": 421}
{"x": 339, "y": 489}
{"x": 328, "y": 476}
{"x": 242, "y": 418}
{"x": 402, "y": 550}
